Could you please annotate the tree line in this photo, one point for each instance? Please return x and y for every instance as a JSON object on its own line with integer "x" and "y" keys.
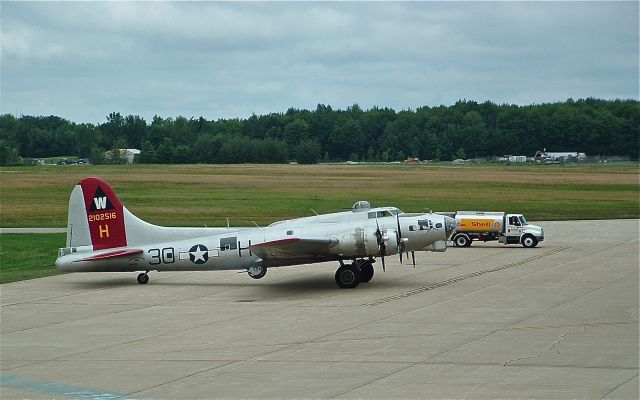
{"x": 466, "y": 129}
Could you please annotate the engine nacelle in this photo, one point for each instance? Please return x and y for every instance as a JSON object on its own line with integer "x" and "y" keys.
{"x": 438, "y": 246}
{"x": 361, "y": 243}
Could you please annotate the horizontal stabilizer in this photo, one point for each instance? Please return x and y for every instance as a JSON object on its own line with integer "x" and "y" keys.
{"x": 292, "y": 248}
{"x": 113, "y": 254}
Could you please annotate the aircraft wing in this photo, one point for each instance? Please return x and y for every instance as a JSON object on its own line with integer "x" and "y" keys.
{"x": 293, "y": 248}
{"x": 113, "y": 254}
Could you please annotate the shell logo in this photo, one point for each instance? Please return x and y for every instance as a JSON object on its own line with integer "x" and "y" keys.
{"x": 497, "y": 224}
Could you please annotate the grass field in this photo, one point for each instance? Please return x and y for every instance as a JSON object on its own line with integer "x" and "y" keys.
{"x": 197, "y": 195}
{"x": 28, "y": 256}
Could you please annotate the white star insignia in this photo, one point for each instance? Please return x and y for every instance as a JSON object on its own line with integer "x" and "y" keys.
{"x": 198, "y": 254}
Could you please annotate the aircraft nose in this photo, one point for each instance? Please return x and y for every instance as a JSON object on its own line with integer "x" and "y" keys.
{"x": 449, "y": 226}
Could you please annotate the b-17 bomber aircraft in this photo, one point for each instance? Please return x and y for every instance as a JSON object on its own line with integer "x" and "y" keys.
{"x": 103, "y": 236}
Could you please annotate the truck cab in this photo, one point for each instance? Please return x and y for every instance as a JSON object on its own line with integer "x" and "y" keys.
{"x": 517, "y": 230}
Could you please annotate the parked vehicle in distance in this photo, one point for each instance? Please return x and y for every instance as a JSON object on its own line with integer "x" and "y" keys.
{"x": 489, "y": 226}
{"x": 80, "y": 161}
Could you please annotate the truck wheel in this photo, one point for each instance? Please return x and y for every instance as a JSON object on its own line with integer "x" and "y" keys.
{"x": 529, "y": 241}
{"x": 462, "y": 240}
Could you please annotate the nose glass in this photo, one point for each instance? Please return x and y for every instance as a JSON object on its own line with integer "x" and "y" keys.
{"x": 449, "y": 226}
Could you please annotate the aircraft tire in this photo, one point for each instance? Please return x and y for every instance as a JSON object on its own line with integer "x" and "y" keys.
{"x": 462, "y": 240}
{"x": 348, "y": 276}
{"x": 529, "y": 241}
{"x": 366, "y": 271}
{"x": 143, "y": 278}
{"x": 257, "y": 271}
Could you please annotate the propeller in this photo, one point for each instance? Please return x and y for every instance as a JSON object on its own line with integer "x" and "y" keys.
{"x": 381, "y": 245}
{"x": 399, "y": 238}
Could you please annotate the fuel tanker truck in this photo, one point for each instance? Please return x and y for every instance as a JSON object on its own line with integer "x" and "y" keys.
{"x": 489, "y": 226}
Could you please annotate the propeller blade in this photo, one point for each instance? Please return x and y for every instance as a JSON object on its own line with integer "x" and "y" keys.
{"x": 381, "y": 245}
{"x": 399, "y": 240}
{"x": 413, "y": 258}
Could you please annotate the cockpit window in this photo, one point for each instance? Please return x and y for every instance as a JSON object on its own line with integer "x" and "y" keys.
{"x": 523, "y": 221}
{"x": 514, "y": 220}
{"x": 380, "y": 214}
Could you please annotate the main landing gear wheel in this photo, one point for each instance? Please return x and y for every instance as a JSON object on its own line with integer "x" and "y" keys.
{"x": 257, "y": 271}
{"x": 143, "y": 278}
{"x": 529, "y": 241}
{"x": 348, "y": 276}
{"x": 366, "y": 271}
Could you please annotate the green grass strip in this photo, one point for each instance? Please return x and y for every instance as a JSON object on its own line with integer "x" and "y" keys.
{"x": 28, "y": 256}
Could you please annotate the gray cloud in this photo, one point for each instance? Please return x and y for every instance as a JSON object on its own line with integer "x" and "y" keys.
{"x": 224, "y": 60}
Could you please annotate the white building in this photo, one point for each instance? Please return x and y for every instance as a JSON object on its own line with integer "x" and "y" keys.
{"x": 545, "y": 155}
{"x": 129, "y": 154}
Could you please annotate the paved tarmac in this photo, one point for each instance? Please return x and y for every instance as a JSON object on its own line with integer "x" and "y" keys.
{"x": 556, "y": 322}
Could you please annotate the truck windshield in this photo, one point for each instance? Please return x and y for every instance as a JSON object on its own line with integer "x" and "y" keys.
{"x": 523, "y": 221}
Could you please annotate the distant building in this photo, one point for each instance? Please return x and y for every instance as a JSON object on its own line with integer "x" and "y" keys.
{"x": 127, "y": 154}
{"x": 130, "y": 154}
{"x": 412, "y": 160}
{"x": 514, "y": 159}
{"x": 559, "y": 156}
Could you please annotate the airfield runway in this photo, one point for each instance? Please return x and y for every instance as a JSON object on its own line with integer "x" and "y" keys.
{"x": 559, "y": 321}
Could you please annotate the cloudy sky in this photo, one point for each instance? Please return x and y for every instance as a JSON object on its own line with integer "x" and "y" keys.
{"x": 84, "y": 60}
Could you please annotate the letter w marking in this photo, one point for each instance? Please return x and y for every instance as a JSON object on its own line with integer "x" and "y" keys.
{"x": 100, "y": 202}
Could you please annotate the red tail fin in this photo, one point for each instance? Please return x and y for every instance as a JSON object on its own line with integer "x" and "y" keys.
{"x": 104, "y": 214}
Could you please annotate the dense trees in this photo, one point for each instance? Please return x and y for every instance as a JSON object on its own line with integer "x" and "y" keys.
{"x": 465, "y": 129}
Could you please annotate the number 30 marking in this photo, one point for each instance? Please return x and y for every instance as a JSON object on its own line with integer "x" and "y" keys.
{"x": 166, "y": 256}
